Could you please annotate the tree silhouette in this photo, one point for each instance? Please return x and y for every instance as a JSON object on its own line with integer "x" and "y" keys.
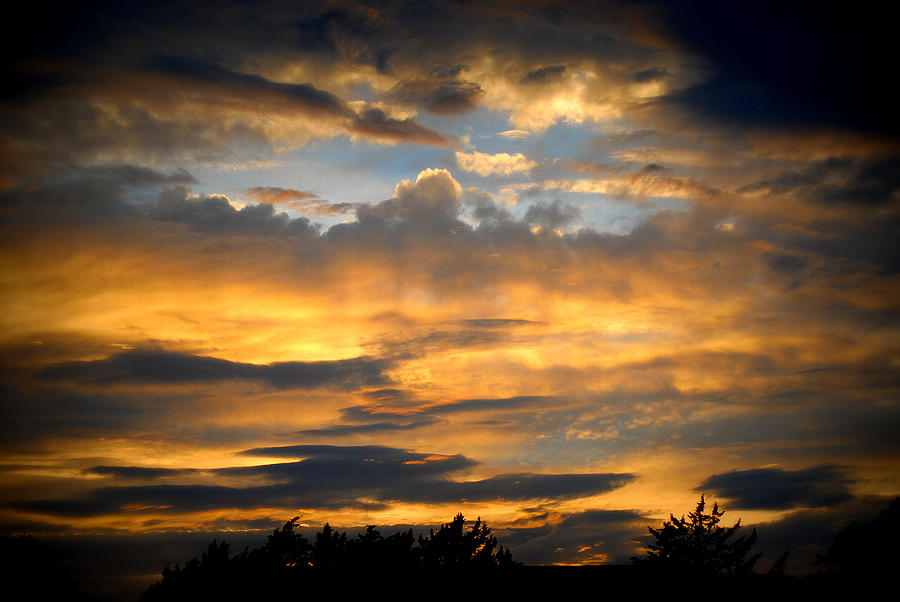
{"x": 699, "y": 545}
{"x": 283, "y": 549}
{"x": 454, "y": 547}
{"x": 277, "y": 566}
{"x": 31, "y": 566}
{"x": 330, "y": 549}
{"x": 371, "y": 551}
{"x": 211, "y": 573}
{"x": 867, "y": 550}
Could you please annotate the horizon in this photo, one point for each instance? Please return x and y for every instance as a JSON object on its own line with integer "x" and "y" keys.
{"x": 563, "y": 266}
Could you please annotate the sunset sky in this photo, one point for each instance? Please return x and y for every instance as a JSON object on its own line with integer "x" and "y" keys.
{"x": 561, "y": 265}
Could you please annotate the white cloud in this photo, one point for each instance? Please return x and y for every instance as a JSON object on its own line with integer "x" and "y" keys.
{"x": 515, "y": 134}
{"x": 485, "y": 164}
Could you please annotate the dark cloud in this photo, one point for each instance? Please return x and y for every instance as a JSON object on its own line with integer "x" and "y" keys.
{"x": 459, "y": 406}
{"x": 381, "y": 426}
{"x": 327, "y": 451}
{"x": 156, "y": 366}
{"x": 552, "y": 215}
{"x": 427, "y": 208}
{"x": 486, "y": 211}
{"x": 391, "y": 397}
{"x": 186, "y": 107}
{"x": 650, "y": 74}
{"x": 134, "y": 175}
{"x": 844, "y": 244}
{"x": 133, "y": 472}
{"x": 92, "y": 109}
{"x": 340, "y": 33}
{"x": 362, "y": 420}
{"x": 22, "y": 526}
{"x": 785, "y": 263}
{"x": 544, "y": 74}
{"x": 60, "y": 201}
{"x": 304, "y": 201}
{"x": 876, "y": 182}
{"x": 818, "y": 64}
{"x": 868, "y": 182}
{"x": 442, "y": 340}
{"x": 327, "y": 477}
{"x": 304, "y": 97}
{"x": 375, "y": 123}
{"x": 103, "y": 193}
{"x": 790, "y": 181}
{"x": 33, "y": 420}
{"x": 774, "y": 488}
{"x": 444, "y": 72}
{"x": 183, "y": 498}
{"x": 321, "y": 32}
{"x": 525, "y": 486}
{"x": 214, "y": 214}
{"x": 592, "y": 536}
{"x": 646, "y": 237}
{"x": 447, "y": 97}
{"x": 808, "y": 533}
{"x": 489, "y": 405}
{"x": 495, "y": 322}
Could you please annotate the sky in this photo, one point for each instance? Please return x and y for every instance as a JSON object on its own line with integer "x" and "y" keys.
{"x": 561, "y": 265}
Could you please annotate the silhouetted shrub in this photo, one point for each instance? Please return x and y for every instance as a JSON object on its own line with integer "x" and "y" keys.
{"x": 31, "y": 566}
{"x": 865, "y": 551}
{"x": 698, "y": 545}
{"x": 277, "y": 566}
{"x": 454, "y": 547}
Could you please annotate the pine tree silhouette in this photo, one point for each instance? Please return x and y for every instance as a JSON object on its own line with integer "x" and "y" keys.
{"x": 698, "y": 544}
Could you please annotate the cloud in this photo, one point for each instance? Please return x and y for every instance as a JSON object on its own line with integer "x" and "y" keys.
{"x": 303, "y": 97}
{"x": 587, "y": 537}
{"x": 36, "y": 419}
{"x": 807, "y": 533}
{"x": 806, "y": 75}
{"x": 326, "y": 477}
{"x": 515, "y": 134}
{"x": 434, "y": 191}
{"x": 751, "y": 322}
{"x": 774, "y": 488}
{"x": 328, "y": 451}
{"x": 650, "y": 74}
{"x": 543, "y": 74}
{"x": 495, "y": 404}
{"x": 524, "y": 486}
{"x": 485, "y": 164}
{"x": 466, "y": 338}
{"x": 430, "y": 205}
{"x": 650, "y": 181}
{"x": 491, "y": 323}
{"x": 866, "y": 182}
{"x": 157, "y": 366}
{"x": 790, "y": 181}
{"x": 367, "y": 419}
{"x": 785, "y": 263}
{"x": 402, "y": 423}
{"x": 371, "y": 122}
{"x": 374, "y": 123}
{"x": 275, "y": 195}
{"x": 134, "y": 175}
{"x": 215, "y": 213}
{"x": 179, "y": 108}
{"x": 304, "y": 201}
{"x": 447, "y": 97}
{"x": 552, "y": 215}
{"x": 133, "y": 472}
